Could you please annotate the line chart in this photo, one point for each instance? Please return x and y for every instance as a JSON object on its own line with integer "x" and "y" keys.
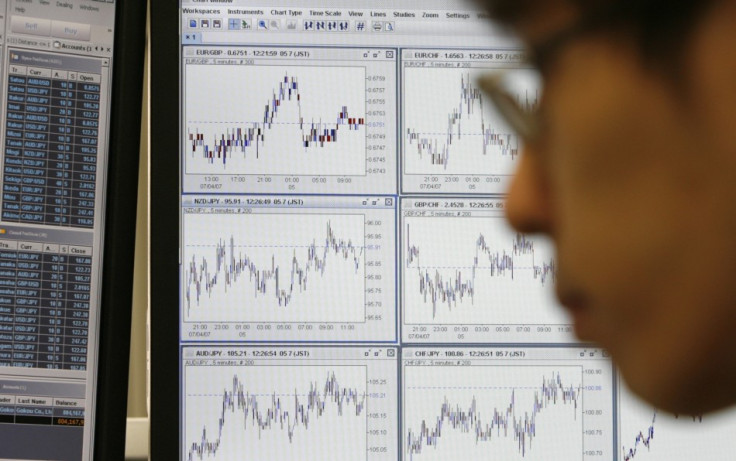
{"x": 493, "y": 412}
{"x": 287, "y": 120}
{"x": 456, "y": 131}
{"x": 274, "y": 267}
{"x": 647, "y": 434}
{"x": 475, "y": 271}
{"x": 276, "y": 412}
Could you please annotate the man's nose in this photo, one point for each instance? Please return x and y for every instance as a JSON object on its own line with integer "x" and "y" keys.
{"x": 528, "y": 205}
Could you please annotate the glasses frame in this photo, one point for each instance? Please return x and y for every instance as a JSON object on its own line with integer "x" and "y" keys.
{"x": 527, "y": 123}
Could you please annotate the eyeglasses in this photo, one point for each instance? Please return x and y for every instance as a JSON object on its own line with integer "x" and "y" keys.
{"x": 525, "y": 121}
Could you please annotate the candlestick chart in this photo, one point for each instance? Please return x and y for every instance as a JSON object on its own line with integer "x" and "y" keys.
{"x": 451, "y": 128}
{"x": 274, "y": 267}
{"x": 276, "y": 412}
{"x": 475, "y": 270}
{"x": 275, "y": 120}
{"x": 493, "y": 412}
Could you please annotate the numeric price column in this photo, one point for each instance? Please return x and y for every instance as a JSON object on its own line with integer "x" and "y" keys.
{"x": 76, "y": 317}
{"x": 86, "y": 133}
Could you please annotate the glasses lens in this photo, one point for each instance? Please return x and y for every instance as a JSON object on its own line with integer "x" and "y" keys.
{"x": 515, "y": 94}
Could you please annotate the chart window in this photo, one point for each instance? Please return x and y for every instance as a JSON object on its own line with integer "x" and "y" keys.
{"x": 467, "y": 277}
{"x": 453, "y": 139}
{"x": 310, "y": 120}
{"x": 287, "y": 403}
{"x": 507, "y": 403}
{"x": 289, "y": 268}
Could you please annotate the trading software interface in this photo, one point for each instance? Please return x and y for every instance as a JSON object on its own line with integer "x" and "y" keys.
{"x": 349, "y": 288}
{"x": 54, "y": 90}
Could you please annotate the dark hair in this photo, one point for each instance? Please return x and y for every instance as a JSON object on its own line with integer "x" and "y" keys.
{"x": 660, "y": 28}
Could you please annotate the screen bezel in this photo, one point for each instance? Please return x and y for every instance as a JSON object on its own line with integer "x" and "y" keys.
{"x": 119, "y": 231}
{"x": 165, "y": 412}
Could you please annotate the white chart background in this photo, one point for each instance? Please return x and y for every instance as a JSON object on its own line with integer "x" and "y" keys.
{"x": 328, "y": 436}
{"x": 274, "y": 240}
{"x": 681, "y": 438}
{"x": 559, "y": 427}
{"x": 448, "y": 245}
{"x": 238, "y": 99}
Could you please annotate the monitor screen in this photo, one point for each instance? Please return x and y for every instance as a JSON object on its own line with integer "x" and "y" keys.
{"x": 332, "y": 249}
{"x": 60, "y": 66}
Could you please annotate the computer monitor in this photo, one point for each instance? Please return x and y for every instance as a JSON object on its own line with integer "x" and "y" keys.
{"x": 332, "y": 274}
{"x": 71, "y": 74}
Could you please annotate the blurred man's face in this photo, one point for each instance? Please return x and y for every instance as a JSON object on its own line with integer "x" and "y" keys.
{"x": 635, "y": 180}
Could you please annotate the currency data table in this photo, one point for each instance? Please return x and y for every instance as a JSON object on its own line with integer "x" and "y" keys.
{"x": 51, "y": 146}
{"x": 44, "y": 305}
